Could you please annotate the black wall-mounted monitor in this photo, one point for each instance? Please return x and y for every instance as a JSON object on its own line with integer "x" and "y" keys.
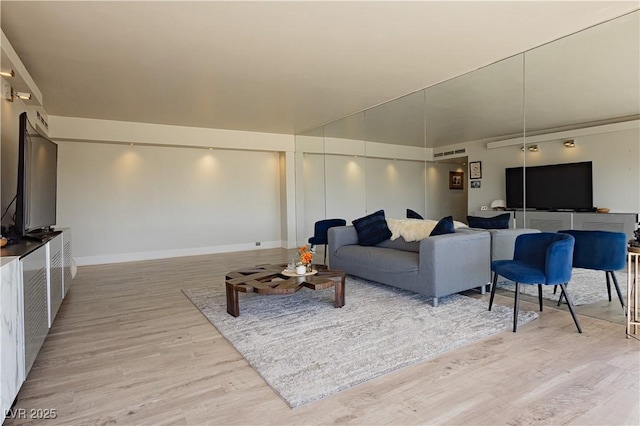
{"x": 552, "y": 187}
{"x": 37, "y": 181}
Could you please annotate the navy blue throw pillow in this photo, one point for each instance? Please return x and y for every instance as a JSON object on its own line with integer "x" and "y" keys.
{"x": 496, "y": 222}
{"x": 444, "y": 226}
{"x": 413, "y": 215}
{"x": 372, "y": 229}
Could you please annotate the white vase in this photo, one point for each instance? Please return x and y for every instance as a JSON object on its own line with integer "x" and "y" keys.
{"x": 301, "y": 269}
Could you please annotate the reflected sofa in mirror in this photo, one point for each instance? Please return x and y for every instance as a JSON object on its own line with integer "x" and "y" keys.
{"x": 584, "y": 88}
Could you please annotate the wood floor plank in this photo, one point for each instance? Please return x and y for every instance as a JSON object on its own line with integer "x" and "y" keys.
{"x": 127, "y": 347}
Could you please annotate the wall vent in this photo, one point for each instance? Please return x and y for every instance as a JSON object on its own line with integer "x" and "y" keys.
{"x": 446, "y": 153}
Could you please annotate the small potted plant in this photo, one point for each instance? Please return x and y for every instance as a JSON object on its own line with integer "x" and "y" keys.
{"x": 304, "y": 265}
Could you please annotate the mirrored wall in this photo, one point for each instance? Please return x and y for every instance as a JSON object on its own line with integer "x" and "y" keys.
{"x": 518, "y": 112}
{"x": 572, "y": 100}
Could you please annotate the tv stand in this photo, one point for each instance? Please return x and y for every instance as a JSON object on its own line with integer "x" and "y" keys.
{"x": 40, "y": 237}
{"x": 554, "y": 221}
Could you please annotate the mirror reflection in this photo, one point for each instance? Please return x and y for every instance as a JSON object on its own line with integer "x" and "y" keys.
{"x": 574, "y": 100}
{"x": 582, "y": 109}
{"x": 462, "y": 115}
{"x": 395, "y": 155}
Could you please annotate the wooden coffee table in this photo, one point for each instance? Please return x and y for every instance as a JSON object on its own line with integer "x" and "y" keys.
{"x": 269, "y": 279}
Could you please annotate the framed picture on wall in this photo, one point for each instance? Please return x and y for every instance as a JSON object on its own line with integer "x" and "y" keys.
{"x": 475, "y": 170}
{"x": 475, "y": 184}
{"x": 456, "y": 180}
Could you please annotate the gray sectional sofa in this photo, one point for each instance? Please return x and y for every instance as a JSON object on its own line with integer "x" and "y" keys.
{"x": 435, "y": 266}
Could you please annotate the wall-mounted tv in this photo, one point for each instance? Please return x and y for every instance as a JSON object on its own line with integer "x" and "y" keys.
{"x": 553, "y": 187}
{"x": 37, "y": 181}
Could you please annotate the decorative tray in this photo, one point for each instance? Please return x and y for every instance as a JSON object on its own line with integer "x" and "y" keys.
{"x": 293, "y": 274}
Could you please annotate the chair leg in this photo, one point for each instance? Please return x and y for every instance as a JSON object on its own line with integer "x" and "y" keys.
{"x": 606, "y": 274}
{"x": 559, "y": 298}
{"x": 493, "y": 289}
{"x": 555, "y": 288}
{"x": 571, "y": 308}
{"x": 515, "y": 308}
{"x": 325, "y": 254}
{"x": 540, "y": 296}
{"x": 615, "y": 283}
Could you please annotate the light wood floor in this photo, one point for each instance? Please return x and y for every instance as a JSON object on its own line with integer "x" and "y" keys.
{"x": 127, "y": 347}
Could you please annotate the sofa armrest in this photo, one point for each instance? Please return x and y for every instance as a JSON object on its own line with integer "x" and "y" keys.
{"x": 339, "y": 236}
{"x": 451, "y": 263}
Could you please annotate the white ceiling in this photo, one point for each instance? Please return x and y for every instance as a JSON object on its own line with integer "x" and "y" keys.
{"x": 280, "y": 67}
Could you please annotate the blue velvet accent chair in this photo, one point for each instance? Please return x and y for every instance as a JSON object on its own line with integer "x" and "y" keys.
{"x": 320, "y": 233}
{"x": 602, "y": 251}
{"x": 543, "y": 258}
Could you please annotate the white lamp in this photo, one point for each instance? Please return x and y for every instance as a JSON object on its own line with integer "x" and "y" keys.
{"x": 498, "y": 204}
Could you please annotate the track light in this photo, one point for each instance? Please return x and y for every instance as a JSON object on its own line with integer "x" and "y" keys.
{"x": 570, "y": 143}
{"x": 10, "y": 94}
{"x": 9, "y": 73}
{"x": 22, "y": 95}
{"x": 531, "y": 148}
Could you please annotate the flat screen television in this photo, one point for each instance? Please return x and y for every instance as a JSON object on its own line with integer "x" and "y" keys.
{"x": 567, "y": 187}
{"x": 37, "y": 181}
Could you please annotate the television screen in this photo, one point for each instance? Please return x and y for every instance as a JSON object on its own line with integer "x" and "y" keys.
{"x": 37, "y": 180}
{"x": 553, "y": 187}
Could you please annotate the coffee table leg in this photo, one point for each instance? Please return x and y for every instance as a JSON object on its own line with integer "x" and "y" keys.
{"x": 233, "y": 306}
{"x": 339, "y": 288}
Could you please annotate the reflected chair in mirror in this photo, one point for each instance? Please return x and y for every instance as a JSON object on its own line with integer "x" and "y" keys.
{"x": 601, "y": 251}
{"x": 320, "y": 233}
{"x": 543, "y": 258}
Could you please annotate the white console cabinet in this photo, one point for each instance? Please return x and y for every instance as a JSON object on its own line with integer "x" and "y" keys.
{"x": 557, "y": 221}
{"x": 11, "y": 331}
{"x": 35, "y": 278}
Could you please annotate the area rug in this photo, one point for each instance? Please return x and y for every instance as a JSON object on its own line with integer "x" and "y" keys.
{"x": 586, "y": 286}
{"x": 306, "y": 349}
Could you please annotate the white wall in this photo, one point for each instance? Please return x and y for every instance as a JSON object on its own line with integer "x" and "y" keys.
{"x": 616, "y": 169}
{"x": 442, "y": 201}
{"x": 614, "y": 150}
{"x": 9, "y": 154}
{"x": 311, "y": 195}
{"x": 138, "y": 202}
{"x": 395, "y": 186}
{"x": 345, "y": 187}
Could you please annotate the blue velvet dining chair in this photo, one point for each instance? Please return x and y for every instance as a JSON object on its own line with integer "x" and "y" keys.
{"x": 602, "y": 251}
{"x": 320, "y": 229}
{"x": 543, "y": 258}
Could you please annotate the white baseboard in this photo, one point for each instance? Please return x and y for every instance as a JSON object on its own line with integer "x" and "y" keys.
{"x": 164, "y": 254}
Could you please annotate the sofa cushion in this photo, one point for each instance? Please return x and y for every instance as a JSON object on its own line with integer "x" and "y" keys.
{"x": 413, "y": 214}
{"x": 500, "y": 221}
{"x": 400, "y": 244}
{"x": 383, "y": 259}
{"x": 372, "y": 229}
{"x": 444, "y": 226}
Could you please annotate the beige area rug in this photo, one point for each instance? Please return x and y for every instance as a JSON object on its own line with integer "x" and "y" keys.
{"x": 586, "y": 286}
{"x": 306, "y": 349}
